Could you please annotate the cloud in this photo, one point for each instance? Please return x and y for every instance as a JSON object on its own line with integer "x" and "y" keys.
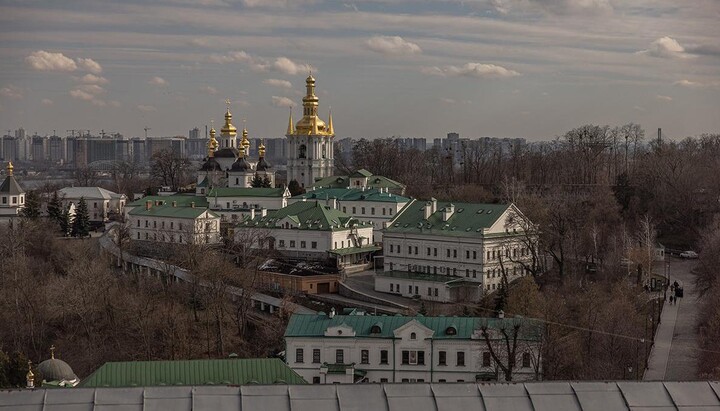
{"x": 99, "y": 103}
{"x": 665, "y": 47}
{"x": 146, "y": 108}
{"x": 42, "y": 60}
{"x": 209, "y": 89}
{"x": 392, "y": 46}
{"x": 199, "y": 42}
{"x": 697, "y": 84}
{"x": 89, "y": 65}
{"x": 287, "y": 66}
{"x": 93, "y": 79}
{"x": 277, "y": 3}
{"x": 277, "y": 83}
{"x": 158, "y": 81}
{"x": 448, "y": 100}
{"x": 574, "y": 6}
{"x": 114, "y": 103}
{"x": 81, "y": 95}
{"x": 282, "y": 102}
{"x": 46, "y": 102}
{"x": 233, "y": 56}
{"x": 12, "y": 91}
{"x": 91, "y": 88}
{"x": 663, "y": 98}
{"x": 476, "y": 70}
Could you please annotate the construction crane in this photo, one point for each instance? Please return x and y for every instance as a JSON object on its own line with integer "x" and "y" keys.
{"x": 73, "y": 132}
{"x": 146, "y": 130}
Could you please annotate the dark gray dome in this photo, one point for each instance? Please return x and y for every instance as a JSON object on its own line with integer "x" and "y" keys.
{"x": 211, "y": 165}
{"x": 262, "y": 165}
{"x": 241, "y": 164}
{"x": 56, "y": 370}
{"x": 227, "y": 152}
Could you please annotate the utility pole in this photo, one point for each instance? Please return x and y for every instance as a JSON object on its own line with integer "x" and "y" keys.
{"x": 146, "y": 130}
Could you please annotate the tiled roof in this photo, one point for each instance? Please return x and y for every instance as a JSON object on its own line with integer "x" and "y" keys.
{"x": 230, "y": 371}
{"x": 310, "y": 215}
{"x": 353, "y": 194}
{"x": 468, "y": 219}
{"x": 246, "y": 192}
{"x": 529, "y": 396}
{"x": 314, "y": 325}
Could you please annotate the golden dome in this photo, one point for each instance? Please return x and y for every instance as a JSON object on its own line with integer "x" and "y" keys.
{"x": 228, "y": 128}
{"x": 307, "y": 125}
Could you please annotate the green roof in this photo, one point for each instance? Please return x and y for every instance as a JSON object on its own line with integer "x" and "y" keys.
{"x": 372, "y": 181}
{"x": 230, "y": 371}
{"x": 468, "y": 219}
{"x": 354, "y": 250}
{"x": 315, "y": 325}
{"x": 171, "y": 212}
{"x": 310, "y": 215}
{"x": 353, "y": 194}
{"x": 246, "y": 192}
{"x": 181, "y": 200}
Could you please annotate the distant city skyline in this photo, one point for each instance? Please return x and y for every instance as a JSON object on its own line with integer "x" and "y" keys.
{"x": 527, "y": 68}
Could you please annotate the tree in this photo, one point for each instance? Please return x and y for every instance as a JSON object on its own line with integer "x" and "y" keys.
{"x": 295, "y": 188}
{"x": 65, "y": 221}
{"x": 32, "y": 205}
{"x": 81, "y": 222}
{"x": 86, "y": 177}
{"x": 266, "y": 183}
{"x": 503, "y": 343}
{"x": 54, "y": 208}
{"x": 256, "y": 181}
{"x": 169, "y": 169}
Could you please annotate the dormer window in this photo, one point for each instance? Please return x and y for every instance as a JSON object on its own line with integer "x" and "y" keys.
{"x": 451, "y": 330}
{"x": 375, "y": 329}
{"x": 413, "y": 336}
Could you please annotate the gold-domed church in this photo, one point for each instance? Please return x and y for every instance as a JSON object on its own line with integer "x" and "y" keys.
{"x": 310, "y": 142}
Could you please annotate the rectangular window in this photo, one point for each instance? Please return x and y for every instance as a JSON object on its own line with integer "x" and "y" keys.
{"x": 392, "y": 287}
{"x": 460, "y": 358}
{"x": 421, "y": 357}
{"x": 138, "y": 236}
{"x": 467, "y": 254}
{"x": 303, "y": 244}
{"x": 316, "y": 356}
{"x": 364, "y": 357}
{"x": 313, "y": 245}
{"x": 454, "y": 253}
{"x": 292, "y": 243}
{"x": 436, "y": 292}
{"x": 316, "y": 380}
{"x": 526, "y": 360}
{"x": 409, "y": 289}
{"x": 442, "y": 358}
{"x": 429, "y": 292}
{"x": 372, "y": 210}
{"x": 299, "y": 354}
{"x": 486, "y": 359}
{"x": 363, "y": 211}
{"x": 383, "y": 380}
{"x": 354, "y": 210}
{"x": 409, "y": 250}
{"x": 488, "y": 255}
{"x": 416, "y": 250}
{"x": 281, "y": 243}
{"x": 428, "y": 251}
{"x": 383, "y": 210}
{"x": 154, "y": 224}
{"x": 172, "y": 225}
{"x": 94, "y": 205}
{"x": 138, "y": 223}
{"x": 339, "y": 357}
{"x": 383, "y": 357}
{"x": 344, "y": 209}
{"x": 467, "y": 272}
{"x": 390, "y": 210}
{"x": 448, "y": 253}
{"x": 474, "y": 255}
{"x": 474, "y": 274}
{"x": 147, "y": 223}
{"x": 434, "y": 252}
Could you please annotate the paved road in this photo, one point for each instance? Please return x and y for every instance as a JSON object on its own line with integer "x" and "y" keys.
{"x": 674, "y": 356}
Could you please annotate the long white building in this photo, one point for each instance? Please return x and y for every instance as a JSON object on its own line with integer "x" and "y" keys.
{"x": 170, "y": 223}
{"x": 326, "y": 349}
{"x": 440, "y": 252}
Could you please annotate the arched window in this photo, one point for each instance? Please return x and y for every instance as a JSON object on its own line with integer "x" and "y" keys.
{"x": 302, "y": 151}
{"x": 413, "y": 336}
{"x": 451, "y": 330}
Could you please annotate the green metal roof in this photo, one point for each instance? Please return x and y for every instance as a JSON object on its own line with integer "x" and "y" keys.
{"x": 171, "y": 212}
{"x": 314, "y": 325}
{"x": 181, "y": 200}
{"x": 361, "y": 173}
{"x": 468, "y": 219}
{"x": 231, "y": 371}
{"x": 354, "y": 250}
{"x": 246, "y": 192}
{"x": 311, "y": 215}
{"x": 372, "y": 181}
{"x": 353, "y": 194}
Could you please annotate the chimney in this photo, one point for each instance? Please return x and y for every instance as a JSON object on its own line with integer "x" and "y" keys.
{"x": 332, "y": 312}
{"x": 263, "y": 212}
{"x": 332, "y": 203}
{"x": 433, "y": 200}
{"x": 252, "y": 213}
{"x": 448, "y": 211}
{"x": 148, "y": 205}
{"x": 192, "y": 204}
{"x": 174, "y": 203}
{"x": 158, "y": 202}
{"x": 427, "y": 210}
{"x": 501, "y": 314}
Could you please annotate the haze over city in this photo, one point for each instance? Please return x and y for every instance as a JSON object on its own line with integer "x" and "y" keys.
{"x": 529, "y": 68}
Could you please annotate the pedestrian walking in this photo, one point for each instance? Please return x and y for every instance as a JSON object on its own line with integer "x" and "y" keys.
{"x": 671, "y": 299}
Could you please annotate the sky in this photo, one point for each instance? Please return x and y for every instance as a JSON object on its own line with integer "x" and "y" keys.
{"x": 410, "y": 68}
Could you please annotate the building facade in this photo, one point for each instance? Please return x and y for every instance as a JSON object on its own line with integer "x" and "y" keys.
{"x": 462, "y": 243}
{"x": 310, "y": 142}
{"x": 101, "y": 203}
{"x": 12, "y": 195}
{"x": 327, "y": 349}
{"x": 168, "y": 223}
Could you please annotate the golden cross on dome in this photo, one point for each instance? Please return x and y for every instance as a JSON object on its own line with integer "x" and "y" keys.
{"x": 227, "y": 102}
{"x": 52, "y": 351}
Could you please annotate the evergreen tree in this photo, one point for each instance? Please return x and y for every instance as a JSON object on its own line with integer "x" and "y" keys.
{"x": 81, "y": 222}
{"x": 503, "y": 293}
{"x": 54, "y": 208}
{"x": 65, "y": 222}
{"x": 266, "y": 183}
{"x": 256, "y": 181}
{"x": 32, "y": 205}
{"x": 295, "y": 188}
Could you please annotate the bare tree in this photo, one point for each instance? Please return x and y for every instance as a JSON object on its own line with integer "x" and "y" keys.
{"x": 169, "y": 169}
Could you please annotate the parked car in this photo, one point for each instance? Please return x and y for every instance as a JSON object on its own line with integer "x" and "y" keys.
{"x": 688, "y": 254}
